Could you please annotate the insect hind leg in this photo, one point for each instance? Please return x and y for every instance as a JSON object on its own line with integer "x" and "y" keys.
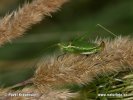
{"x": 62, "y": 55}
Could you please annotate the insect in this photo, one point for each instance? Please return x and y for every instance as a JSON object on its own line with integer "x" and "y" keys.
{"x": 79, "y": 46}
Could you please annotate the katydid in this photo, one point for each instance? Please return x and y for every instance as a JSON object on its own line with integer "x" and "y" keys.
{"x": 84, "y": 49}
{"x": 79, "y": 46}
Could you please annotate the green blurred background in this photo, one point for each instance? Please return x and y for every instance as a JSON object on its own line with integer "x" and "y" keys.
{"x": 19, "y": 58}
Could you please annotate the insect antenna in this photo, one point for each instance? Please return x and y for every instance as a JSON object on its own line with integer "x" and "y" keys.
{"x": 44, "y": 50}
{"x": 106, "y": 30}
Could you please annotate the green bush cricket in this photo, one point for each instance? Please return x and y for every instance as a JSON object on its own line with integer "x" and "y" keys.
{"x": 87, "y": 49}
{"x": 79, "y": 46}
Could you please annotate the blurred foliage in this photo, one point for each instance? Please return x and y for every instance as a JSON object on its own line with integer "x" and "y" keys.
{"x": 76, "y": 17}
{"x": 115, "y": 87}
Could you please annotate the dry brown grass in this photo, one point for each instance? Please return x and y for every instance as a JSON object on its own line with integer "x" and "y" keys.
{"x": 52, "y": 73}
{"x": 117, "y": 56}
{"x": 15, "y": 24}
{"x": 5, "y": 94}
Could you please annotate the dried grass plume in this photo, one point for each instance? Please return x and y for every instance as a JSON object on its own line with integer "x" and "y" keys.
{"x": 16, "y": 23}
{"x": 79, "y": 69}
{"x": 52, "y": 74}
{"x": 35, "y": 94}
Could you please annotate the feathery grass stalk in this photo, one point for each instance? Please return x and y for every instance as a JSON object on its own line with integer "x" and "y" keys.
{"x": 5, "y": 94}
{"x": 105, "y": 72}
{"x": 117, "y": 56}
{"x": 16, "y": 23}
